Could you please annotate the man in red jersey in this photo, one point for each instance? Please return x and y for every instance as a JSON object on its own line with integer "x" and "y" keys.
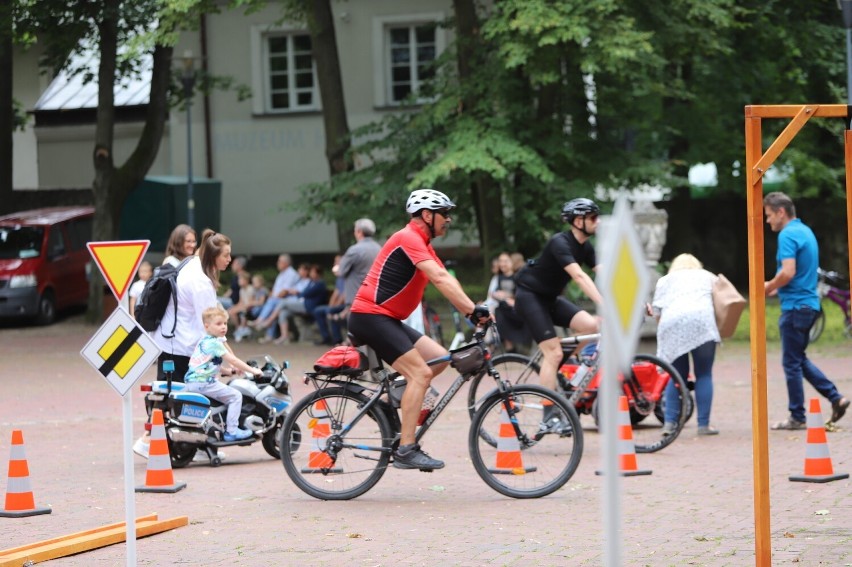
{"x": 390, "y": 292}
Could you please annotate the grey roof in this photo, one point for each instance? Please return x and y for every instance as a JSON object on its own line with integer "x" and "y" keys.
{"x": 68, "y": 92}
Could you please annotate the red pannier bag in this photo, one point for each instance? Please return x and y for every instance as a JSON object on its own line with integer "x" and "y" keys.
{"x": 342, "y": 360}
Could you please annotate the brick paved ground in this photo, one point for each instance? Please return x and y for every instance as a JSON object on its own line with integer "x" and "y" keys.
{"x": 696, "y": 508}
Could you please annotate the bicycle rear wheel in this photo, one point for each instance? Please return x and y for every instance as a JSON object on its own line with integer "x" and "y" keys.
{"x": 818, "y": 327}
{"x": 533, "y": 461}
{"x": 327, "y": 462}
{"x": 646, "y": 395}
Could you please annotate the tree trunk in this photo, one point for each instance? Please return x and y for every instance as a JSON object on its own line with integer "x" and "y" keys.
{"x": 485, "y": 191}
{"x": 112, "y": 185}
{"x": 7, "y": 111}
{"x": 324, "y": 42}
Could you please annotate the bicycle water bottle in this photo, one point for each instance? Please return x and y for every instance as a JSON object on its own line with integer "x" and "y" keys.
{"x": 579, "y": 374}
{"x": 397, "y": 388}
{"x": 429, "y": 402}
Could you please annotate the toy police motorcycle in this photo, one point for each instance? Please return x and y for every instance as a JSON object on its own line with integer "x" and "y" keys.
{"x": 194, "y": 421}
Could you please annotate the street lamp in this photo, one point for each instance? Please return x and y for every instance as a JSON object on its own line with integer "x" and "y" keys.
{"x": 846, "y": 7}
{"x": 188, "y": 80}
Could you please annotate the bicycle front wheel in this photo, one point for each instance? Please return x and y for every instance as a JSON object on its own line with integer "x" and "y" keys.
{"x": 531, "y": 459}
{"x": 331, "y": 457}
{"x": 645, "y": 390}
{"x": 513, "y": 367}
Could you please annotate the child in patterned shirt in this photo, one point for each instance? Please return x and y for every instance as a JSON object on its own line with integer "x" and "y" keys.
{"x": 205, "y": 364}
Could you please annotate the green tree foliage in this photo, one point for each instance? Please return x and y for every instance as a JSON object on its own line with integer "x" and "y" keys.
{"x": 120, "y": 32}
{"x": 565, "y": 97}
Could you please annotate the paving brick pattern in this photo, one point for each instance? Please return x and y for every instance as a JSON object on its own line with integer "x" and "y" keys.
{"x": 695, "y": 509}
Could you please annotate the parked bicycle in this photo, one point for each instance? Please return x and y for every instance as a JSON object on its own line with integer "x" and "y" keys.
{"x": 355, "y": 425}
{"x": 578, "y": 379}
{"x": 432, "y": 320}
{"x": 432, "y": 327}
{"x": 835, "y": 288}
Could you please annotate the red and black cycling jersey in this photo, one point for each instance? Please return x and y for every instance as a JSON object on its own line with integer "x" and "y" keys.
{"x": 546, "y": 275}
{"x": 394, "y": 286}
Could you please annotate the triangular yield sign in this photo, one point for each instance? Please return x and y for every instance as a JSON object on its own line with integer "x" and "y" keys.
{"x": 118, "y": 261}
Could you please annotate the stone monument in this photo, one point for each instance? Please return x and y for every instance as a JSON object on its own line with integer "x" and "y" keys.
{"x": 651, "y": 224}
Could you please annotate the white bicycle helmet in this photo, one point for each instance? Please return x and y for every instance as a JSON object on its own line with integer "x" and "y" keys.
{"x": 427, "y": 199}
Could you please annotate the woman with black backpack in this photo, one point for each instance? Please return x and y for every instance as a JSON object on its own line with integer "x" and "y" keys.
{"x": 197, "y": 283}
{"x": 181, "y": 326}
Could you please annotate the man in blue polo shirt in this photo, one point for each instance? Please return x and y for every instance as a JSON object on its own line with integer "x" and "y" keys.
{"x": 795, "y": 283}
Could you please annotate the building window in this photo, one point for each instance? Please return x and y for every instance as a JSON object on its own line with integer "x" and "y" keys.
{"x": 411, "y": 54}
{"x": 404, "y": 52}
{"x": 291, "y": 77}
{"x": 284, "y": 77}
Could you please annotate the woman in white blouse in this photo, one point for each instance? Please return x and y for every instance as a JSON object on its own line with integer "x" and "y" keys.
{"x": 683, "y": 305}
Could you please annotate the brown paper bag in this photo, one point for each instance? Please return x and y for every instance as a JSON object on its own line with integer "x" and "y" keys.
{"x": 728, "y": 304}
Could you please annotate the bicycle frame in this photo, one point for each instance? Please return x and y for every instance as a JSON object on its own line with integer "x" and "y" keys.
{"x": 841, "y": 297}
{"x": 440, "y": 406}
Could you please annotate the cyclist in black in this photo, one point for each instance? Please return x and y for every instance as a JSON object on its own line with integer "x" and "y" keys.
{"x": 541, "y": 283}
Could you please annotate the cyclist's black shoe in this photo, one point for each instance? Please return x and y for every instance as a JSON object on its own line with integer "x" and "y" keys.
{"x": 555, "y": 424}
{"x": 413, "y": 457}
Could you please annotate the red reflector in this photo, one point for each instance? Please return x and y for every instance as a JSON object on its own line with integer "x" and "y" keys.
{"x": 148, "y": 426}
{"x": 145, "y": 388}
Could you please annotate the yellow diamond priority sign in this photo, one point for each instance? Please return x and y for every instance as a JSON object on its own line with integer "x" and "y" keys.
{"x": 623, "y": 282}
{"x": 121, "y": 351}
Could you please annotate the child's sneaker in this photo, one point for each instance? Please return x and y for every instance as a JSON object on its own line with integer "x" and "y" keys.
{"x": 238, "y": 435}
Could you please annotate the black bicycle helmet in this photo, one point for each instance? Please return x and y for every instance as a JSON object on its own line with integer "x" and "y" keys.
{"x": 579, "y": 207}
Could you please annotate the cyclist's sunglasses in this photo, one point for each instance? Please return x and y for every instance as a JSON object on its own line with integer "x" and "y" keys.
{"x": 444, "y": 213}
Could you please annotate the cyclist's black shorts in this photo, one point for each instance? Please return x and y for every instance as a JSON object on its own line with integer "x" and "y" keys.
{"x": 389, "y": 337}
{"x": 541, "y": 314}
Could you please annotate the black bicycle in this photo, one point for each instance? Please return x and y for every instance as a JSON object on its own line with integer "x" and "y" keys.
{"x": 350, "y": 427}
{"x": 577, "y": 379}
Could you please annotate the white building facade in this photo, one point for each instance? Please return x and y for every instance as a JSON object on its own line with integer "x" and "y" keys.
{"x": 264, "y": 148}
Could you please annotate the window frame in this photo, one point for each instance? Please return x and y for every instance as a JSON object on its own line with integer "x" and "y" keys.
{"x": 262, "y": 73}
{"x": 382, "y": 76}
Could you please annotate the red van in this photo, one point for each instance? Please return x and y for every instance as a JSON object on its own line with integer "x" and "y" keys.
{"x": 43, "y": 259}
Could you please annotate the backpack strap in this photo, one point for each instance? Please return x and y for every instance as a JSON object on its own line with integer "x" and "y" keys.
{"x": 174, "y": 295}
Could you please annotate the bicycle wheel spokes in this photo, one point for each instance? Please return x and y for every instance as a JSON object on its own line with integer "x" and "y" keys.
{"x": 646, "y": 392}
{"x": 328, "y": 462}
{"x": 514, "y": 368}
{"x": 535, "y": 462}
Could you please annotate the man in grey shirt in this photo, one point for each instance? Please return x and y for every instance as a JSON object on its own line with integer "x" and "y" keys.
{"x": 358, "y": 259}
{"x": 353, "y": 268}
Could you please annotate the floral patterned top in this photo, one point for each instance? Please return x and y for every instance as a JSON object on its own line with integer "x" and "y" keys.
{"x": 205, "y": 362}
{"x": 683, "y": 300}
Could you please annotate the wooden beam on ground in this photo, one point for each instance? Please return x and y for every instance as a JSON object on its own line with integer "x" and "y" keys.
{"x": 86, "y": 540}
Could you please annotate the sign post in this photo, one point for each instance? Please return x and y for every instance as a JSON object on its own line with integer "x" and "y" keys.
{"x": 623, "y": 283}
{"x": 121, "y": 351}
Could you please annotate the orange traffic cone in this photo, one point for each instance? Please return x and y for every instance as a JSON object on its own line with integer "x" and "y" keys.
{"x": 19, "y": 495}
{"x": 818, "y": 466}
{"x": 626, "y": 450}
{"x": 159, "y": 476}
{"x": 508, "y": 459}
{"x": 320, "y": 426}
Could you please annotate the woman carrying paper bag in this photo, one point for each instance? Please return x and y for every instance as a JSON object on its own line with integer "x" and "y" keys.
{"x": 683, "y": 305}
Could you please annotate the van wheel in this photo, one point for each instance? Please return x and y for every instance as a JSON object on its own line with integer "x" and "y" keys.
{"x": 46, "y": 309}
